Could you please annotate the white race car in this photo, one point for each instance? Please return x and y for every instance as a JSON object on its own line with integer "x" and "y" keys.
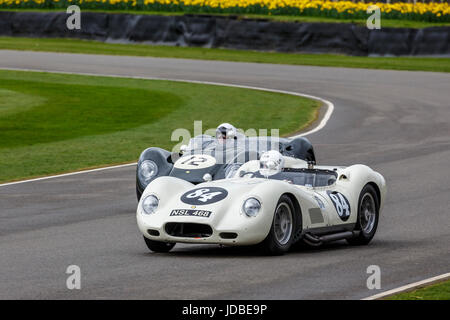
{"x": 275, "y": 201}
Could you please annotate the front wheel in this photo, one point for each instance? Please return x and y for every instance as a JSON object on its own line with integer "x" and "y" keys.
{"x": 368, "y": 215}
{"x": 138, "y": 192}
{"x": 282, "y": 231}
{"x": 158, "y": 246}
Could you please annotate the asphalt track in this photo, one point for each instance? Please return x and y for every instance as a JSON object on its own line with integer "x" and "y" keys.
{"x": 397, "y": 122}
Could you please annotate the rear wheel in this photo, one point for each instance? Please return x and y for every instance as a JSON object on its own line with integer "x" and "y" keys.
{"x": 159, "y": 246}
{"x": 368, "y": 214}
{"x": 282, "y": 231}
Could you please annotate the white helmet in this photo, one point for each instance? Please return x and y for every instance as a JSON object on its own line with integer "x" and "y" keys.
{"x": 226, "y": 131}
{"x": 270, "y": 163}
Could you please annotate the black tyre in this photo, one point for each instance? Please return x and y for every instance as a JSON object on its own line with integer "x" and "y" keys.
{"x": 159, "y": 246}
{"x": 138, "y": 192}
{"x": 368, "y": 215}
{"x": 283, "y": 229}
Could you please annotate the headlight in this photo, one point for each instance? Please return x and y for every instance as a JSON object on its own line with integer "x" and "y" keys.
{"x": 251, "y": 207}
{"x": 147, "y": 170}
{"x": 150, "y": 204}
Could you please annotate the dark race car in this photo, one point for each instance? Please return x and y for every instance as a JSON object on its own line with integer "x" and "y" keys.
{"x": 206, "y": 158}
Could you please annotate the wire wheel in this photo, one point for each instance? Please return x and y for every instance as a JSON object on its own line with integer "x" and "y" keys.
{"x": 367, "y": 213}
{"x": 283, "y": 223}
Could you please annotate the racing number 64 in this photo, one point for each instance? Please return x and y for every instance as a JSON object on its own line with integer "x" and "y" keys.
{"x": 203, "y": 195}
{"x": 341, "y": 204}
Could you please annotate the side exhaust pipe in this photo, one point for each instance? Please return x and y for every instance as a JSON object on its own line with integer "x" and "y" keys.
{"x": 317, "y": 241}
{"x": 337, "y": 236}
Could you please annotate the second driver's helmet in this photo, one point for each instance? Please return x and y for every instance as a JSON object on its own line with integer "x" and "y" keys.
{"x": 270, "y": 163}
{"x": 226, "y": 131}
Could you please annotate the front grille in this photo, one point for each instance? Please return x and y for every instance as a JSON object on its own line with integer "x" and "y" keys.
{"x": 188, "y": 230}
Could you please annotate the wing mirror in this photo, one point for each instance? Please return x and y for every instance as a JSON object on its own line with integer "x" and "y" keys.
{"x": 311, "y": 164}
{"x": 183, "y": 148}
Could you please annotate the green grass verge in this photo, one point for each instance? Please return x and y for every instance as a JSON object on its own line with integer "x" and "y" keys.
{"x": 54, "y": 123}
{"x": 328, "y": 60}
{"x": 385, "y": 23}
{"x": 439, "y": 291}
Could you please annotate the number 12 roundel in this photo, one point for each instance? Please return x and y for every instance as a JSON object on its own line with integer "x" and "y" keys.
{"x": 341, "y": 204}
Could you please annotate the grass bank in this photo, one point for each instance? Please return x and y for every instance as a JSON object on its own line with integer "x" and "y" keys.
{"x": 326, "y": 60}
{"x": 439, "y": 291}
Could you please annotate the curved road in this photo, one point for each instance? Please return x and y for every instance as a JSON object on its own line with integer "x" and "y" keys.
{"x": 396, "y": 122}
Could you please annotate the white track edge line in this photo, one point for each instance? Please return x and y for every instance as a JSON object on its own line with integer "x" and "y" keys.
{"x": 408, "y": 287}
{"x": 323, "y": 122}
{"x": 68, "y": 174}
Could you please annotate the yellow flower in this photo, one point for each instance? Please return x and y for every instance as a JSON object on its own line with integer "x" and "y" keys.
{"x": 320, "y": 6}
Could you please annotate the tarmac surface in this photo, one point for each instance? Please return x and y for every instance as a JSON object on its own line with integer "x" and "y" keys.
{"x": 397, "y": 122}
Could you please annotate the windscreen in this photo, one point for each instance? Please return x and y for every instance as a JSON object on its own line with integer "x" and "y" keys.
{"x": 301, "y": 177}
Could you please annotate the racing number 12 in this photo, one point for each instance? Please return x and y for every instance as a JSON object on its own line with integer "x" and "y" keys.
{"x": 194, "y": 161}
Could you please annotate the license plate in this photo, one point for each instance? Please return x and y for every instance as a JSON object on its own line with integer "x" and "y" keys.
{"x": 190, "y": 213}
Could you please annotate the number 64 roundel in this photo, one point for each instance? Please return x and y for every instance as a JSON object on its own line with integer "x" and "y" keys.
{"x": 341, "y": 204}
{"x": 206, "y": 195}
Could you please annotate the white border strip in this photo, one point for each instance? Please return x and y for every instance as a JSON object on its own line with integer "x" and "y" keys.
{"x": 408, "y": 287}
{"x": 323, "y": 122}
